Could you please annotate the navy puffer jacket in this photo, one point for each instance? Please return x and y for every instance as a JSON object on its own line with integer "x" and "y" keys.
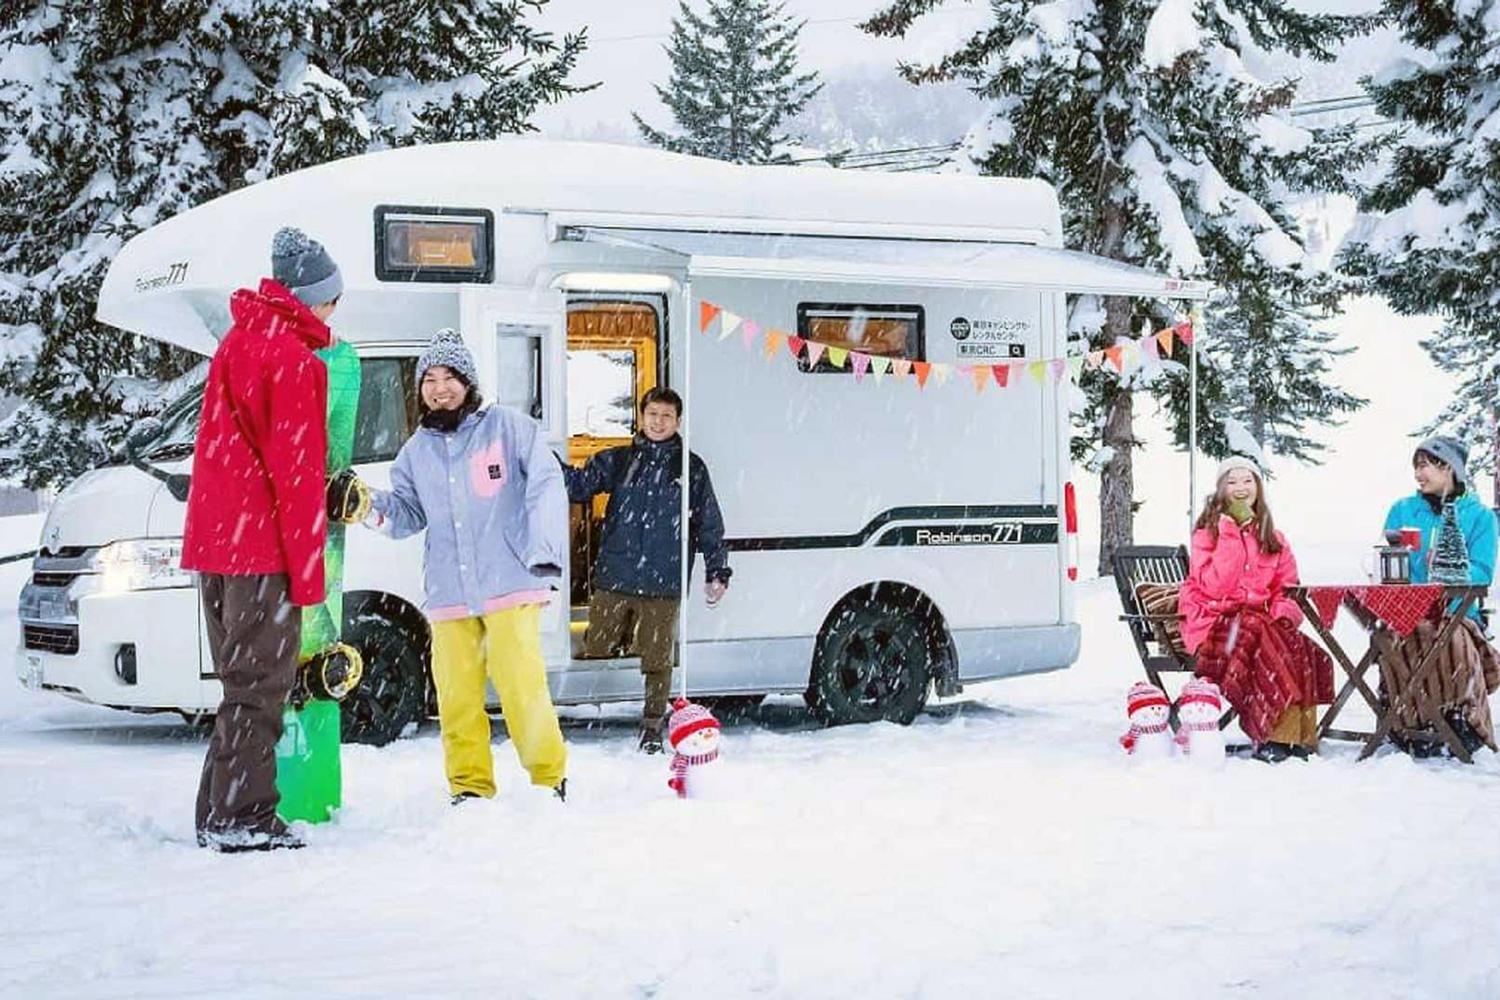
{"x": 639, "y": 553}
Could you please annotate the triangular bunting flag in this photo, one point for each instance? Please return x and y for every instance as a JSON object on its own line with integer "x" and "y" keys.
{"x": 1038, "y": 370}
{"x": 1151, "y": 348}
{"x": 1094, "y": 358}
{"x": 1116, "y": 357}
{"x": 1058, "y": 366}
{"x": 837, "y": 355}
{"x": 1164, "y": 338}
{"x": 1131, "y": 353}
{"x": 749, "y": 330}
{"x": 814, "y": 352}
{"x": 707, "y": 311}
{"x": 774, "y": 339}
{"x": 861, "y": 362}
{"x": 879, "y": 365}
{"x": 1002, "y": 375}
{"x": 941, "y": 372}
{"x": 923, "y": 370}
{"x": 981, "y": 375}
{"x": 795, "y": 344}
{"x": 1075, "y": 366}
{"x": 728, "y": 324}
{"x": 1185, "y": 330}
{"x": 900, "y": 367}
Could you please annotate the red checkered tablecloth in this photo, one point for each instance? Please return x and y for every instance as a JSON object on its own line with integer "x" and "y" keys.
{"x": 1401, "y": 605}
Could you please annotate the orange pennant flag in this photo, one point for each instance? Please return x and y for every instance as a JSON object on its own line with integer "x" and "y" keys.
{"x": 1165, "y": 339}
{"x": 1116, "y": 357}
{"x": 923, "y": 369}
{"x": 774, "y": 340}
{"x": 1002, "y": 375}
{"x": 707, "y": 311}
{"x": 981, "y": 376}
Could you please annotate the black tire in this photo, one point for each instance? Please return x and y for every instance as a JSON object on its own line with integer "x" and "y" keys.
{"x": 872, "y": 663}
{"x": 393, "y": 691}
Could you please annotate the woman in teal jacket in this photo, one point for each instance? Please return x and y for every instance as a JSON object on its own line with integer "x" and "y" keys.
{"x": 1440, "y": 466}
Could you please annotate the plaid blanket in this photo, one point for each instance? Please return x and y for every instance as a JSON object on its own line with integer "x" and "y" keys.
{"x": 1264, "y": 666}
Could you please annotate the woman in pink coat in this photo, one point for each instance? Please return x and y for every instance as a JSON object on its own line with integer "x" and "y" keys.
{"x": 1242, "y": 625}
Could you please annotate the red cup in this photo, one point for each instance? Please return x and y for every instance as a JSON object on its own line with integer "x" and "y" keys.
{"x": 1411, "y": 538}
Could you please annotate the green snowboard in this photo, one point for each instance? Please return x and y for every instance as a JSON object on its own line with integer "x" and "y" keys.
{"x": 308, "y": 774}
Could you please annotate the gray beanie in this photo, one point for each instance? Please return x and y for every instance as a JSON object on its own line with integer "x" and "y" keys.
{"x": 304, "y": 267}
{"x": 448, "y": 349}
{"x": 1451, "y": 452}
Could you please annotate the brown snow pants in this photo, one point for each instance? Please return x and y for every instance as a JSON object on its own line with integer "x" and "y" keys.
{"x": 613, "y": 617}
{"x": 1467, "y": 673}
{"x": 253, "y": 632}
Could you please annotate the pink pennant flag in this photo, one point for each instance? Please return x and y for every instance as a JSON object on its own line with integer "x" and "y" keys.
{"x": 861, "y": 364}
{"x": 728, "y": 323}
{"x": 900, "y": 367}
{"x": 1094, "y": 359}
{"x": 795, "y": 344}
{"x": 749, "y": 330}
{"x": 879, "y": 365}
{"x": 1059, "y": 366}
{"x": 814, "y": 352}
{"x": 773, "y": 343}
{"x": 1151, "y": 348}
{"x": 1185, "y": 332}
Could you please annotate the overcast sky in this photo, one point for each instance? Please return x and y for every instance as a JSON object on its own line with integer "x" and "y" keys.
{"x": 627, "y": 38}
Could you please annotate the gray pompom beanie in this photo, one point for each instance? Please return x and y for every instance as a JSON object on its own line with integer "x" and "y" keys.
{"x": 1451, "y": 452}
{"x": 448, "y": 349}
{"x": 304, "y": 267}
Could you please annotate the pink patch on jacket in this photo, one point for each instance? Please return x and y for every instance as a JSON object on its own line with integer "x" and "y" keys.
{"x": 487, "y": 470}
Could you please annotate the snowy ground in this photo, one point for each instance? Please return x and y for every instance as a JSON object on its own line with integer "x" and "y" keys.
{"x": 1000, "y": 846}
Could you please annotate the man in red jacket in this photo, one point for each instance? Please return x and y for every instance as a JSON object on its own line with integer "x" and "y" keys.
{"x": 256, "y": 525}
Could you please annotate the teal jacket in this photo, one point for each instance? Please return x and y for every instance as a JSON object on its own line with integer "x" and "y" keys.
{"x": 1475, "y": 520}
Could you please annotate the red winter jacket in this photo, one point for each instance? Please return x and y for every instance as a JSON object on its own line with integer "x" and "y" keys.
{"x": 256, "y": 504}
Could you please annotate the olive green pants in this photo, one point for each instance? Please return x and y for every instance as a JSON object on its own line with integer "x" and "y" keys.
{"x": 613, "y": 617}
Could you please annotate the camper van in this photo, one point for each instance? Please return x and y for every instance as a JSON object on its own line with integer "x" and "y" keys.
{"x": 887, "y": 540}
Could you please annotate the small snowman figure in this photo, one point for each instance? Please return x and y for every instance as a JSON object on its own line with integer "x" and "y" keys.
{"x": 694, "y": 734}
{"x": 1149, "y": 736}
{"x": 1199, "y": 707}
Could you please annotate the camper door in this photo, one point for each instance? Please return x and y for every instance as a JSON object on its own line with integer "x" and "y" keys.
{"x": 518, "y": 337}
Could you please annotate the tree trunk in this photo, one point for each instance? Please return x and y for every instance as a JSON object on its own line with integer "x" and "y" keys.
{"x": 1117, "y": 478}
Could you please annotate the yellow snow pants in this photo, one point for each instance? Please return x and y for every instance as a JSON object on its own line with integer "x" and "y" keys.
{"x": 506, "y": 646}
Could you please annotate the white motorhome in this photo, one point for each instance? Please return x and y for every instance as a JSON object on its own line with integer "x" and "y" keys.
{"x": 884, "y": 540}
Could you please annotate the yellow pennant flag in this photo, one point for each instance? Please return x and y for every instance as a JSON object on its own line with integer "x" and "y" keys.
{"x": 1038, "y": 371}
{"x": 837, "y": 356}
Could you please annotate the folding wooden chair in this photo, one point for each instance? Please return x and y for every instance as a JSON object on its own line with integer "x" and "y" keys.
{"x": 1155, "y": 636}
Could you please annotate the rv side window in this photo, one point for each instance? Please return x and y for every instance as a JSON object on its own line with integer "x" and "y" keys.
{"x": 434, "y": 244}
{"x": 387, "y": 408}
{"x": 891, "y": 331}
{"x": 519, "y": 356}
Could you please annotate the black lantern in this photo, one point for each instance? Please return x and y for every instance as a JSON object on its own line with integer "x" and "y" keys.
{"x": 1395, "y": 559}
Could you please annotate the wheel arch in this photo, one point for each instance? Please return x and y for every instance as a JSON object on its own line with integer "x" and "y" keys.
{"x": 942, "y": 653}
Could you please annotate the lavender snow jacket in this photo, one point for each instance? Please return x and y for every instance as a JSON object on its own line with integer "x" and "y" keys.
{"x": 491, "y": 497}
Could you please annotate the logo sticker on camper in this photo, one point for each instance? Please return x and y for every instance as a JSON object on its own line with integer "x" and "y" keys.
{"x": 175, "y": 274}
{"x": 991, "y": 338}
{"x": 993, "y": 533}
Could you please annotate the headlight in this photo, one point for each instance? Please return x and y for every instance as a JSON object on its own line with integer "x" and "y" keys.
{"x": 141, "y": 564}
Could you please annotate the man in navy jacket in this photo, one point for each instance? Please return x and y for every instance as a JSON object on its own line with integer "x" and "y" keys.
{"x": 637, "y": 577}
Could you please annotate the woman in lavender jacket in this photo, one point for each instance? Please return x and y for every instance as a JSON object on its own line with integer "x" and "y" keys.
{"x": 489, "y": 493}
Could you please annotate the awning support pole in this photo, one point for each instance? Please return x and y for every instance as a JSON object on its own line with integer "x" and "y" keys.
{"x": 684, "y": 531}
{"x": 1196, "y": 319}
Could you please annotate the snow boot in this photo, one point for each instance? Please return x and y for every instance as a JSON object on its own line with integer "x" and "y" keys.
{"x": 1272, "y": 753}
{"x": 463, "y": 797}
{"x": 650, "y": 741}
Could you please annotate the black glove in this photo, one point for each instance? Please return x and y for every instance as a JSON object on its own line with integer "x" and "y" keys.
{"x": 348, "y": 498}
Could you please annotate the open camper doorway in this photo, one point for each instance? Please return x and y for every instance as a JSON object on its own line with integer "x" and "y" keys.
{"x": 614, "y": 347}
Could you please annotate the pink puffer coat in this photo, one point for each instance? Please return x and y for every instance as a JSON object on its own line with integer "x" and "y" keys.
{"x": 1232, "y": 572}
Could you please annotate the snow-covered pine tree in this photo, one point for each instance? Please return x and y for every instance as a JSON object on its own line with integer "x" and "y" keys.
{"x": 1429, "y": 244}
{"x": 734, "y": 85}
{"x": 115, "y": 115}
{"x": 1165, "y": 149}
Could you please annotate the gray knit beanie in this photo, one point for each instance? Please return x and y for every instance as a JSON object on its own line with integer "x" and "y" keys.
{"x": 1451, "y": 452}
{"x": 448, "y": 349}
{"x": 304, "y": 267}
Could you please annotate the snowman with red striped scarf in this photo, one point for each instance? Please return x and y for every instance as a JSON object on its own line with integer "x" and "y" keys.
{"x": 1150, "y": 734}
{"x": 693, "y": 732}
{"x": 1198, "y": 734}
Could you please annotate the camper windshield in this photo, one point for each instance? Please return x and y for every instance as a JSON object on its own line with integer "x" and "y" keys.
{"x": 179, "y": 426}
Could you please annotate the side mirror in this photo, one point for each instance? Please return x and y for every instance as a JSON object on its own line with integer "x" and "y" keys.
{"x": 145, "y": 430}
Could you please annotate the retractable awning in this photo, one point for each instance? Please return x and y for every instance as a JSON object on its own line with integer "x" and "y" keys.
{"x": 886, "y": 261}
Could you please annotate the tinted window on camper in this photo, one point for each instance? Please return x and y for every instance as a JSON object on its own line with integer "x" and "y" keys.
{"x": 891, "y": 331}
{"x": 387, "y": 408}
